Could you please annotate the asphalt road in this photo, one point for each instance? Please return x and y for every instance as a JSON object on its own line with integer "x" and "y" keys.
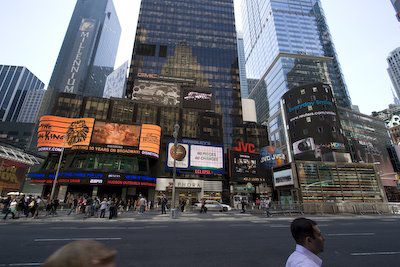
{"x": 243, "y": 242}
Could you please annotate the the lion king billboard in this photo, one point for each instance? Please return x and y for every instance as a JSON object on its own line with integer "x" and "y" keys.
{"x": 55, "y": 132}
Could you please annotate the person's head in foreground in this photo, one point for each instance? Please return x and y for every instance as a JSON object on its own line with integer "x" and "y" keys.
{"x": 82, "y": 253}
{"x": 307, "y": 234}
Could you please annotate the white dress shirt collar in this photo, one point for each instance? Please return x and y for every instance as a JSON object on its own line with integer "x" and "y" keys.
{"x": 308, "y": 254}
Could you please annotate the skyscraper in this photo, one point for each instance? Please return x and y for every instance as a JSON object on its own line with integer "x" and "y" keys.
{"x": 16, "y": 83}
{"x": 244, "y": 88}
{"x": 191, "y": 42}
{"x": 287, "y": 44}
{"x": 30, "y": 107}
{"x": 396, "y": 5}
{"x": 394, "y": 69}
{"x": 88, "y": 52}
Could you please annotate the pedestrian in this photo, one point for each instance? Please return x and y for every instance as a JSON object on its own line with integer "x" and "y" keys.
{"x": 9, "y": 207}
{"x": 267, "y": 207}
{"x": 54, "y": 206}
{"x": 183, "y": 204}
{"x": 112, "y": 209}
{"x": 258, "y": 203}
{"x": 82, "y": 253}
{"x": 74, "y": 206}
{"x": 32, "y": 206}
{"x": 164, "y": 202}
{"x": 203, "y": 206}
{"x": 39, "y": 206}
{"x": 142, "y": 204}
{"x": 243, "y": 202}
{"x": 309, "y": 243}
{"x": 103, "y": 208}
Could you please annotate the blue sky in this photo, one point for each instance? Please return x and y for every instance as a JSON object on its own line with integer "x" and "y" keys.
{"x": 364, "y": 33}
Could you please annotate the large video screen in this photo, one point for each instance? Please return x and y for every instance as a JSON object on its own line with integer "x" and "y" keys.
{"x": 207, "y": 157}
{"x": 57, "y": 132}
{"x": 116, "y": 134}
{"x": 155, "y": 92}
{"x": 246, "y": 167}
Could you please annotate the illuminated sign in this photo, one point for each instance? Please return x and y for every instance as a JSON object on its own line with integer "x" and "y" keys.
{"x": 156, "y": 92}
{"x": 272, "y": 157}
{"x": 206, "y": 157}
{"x": 245, "y": 167}
{"x": 58, "y": 132}
{"x": 283, "y": 178}
{"x": 150, "y": 139}
{"x": 116, "y": 134}
{"x": 245, "y": 147}
{"x": 180, "y": 154}
{"x": 11, "y": 174}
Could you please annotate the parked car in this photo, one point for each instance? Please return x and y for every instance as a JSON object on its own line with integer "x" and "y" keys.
{"x": 213, "y": 205}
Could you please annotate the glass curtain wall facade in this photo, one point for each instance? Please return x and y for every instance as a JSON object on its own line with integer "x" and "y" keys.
{"x": 244, "y": 88}
{"x": 88, "y": 52}
{"x": 192, "y": 40}
{"x": 15, "y": 83}
{"x": 393, "y": 69}
{"x": 287, "y": 44}
{"x": 396, "y": 5}
{"x": 30, "y": 108}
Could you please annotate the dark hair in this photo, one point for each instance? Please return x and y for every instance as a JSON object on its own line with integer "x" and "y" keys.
{"x": 301, "y": 228}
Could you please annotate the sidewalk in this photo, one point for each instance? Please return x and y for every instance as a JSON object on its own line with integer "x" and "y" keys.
{"x": 156, "y": 216}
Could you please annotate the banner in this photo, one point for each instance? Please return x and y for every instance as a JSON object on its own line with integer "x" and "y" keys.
{"x": 58, "y": 132}
{"x": 12, "y": 174}
{"x": 150, "y": 138}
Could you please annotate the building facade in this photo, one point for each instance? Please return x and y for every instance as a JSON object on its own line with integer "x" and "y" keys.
{"x": 394, "y": 70}
{"x": 88, "y": 52}
{"x": 396, "y": 5}
{"x": 192, "y": 43}
{"x": 30, "y": 107}
{"x": 244, "y": 88}
{"x": 16, "y": 86}
{"x": 288, "y": 44}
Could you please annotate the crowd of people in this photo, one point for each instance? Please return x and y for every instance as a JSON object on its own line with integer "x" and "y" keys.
{"x": 28, "y": 206}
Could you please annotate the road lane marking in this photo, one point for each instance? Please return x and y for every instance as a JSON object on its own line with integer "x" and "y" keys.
{"x": 74, "y": 239}
{"x": 23, "y": 264}
{"x": 240, "y": 225}
{"x": 375, "y": 253}
{"x": 351, "y": 234}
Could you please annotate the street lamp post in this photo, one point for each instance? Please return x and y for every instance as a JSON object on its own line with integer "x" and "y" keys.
{"x": 175, "y": 135}
{"x": 53, "y": 189}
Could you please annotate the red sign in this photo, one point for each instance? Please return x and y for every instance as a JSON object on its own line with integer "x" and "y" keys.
{"x": 245, "y": 147}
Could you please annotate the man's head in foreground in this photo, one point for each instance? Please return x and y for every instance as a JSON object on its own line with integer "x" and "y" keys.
{"x": 82, "y": 253}
{"x": 307, "y": 234}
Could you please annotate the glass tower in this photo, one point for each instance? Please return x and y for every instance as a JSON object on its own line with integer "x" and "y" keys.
{"x": 396, "y": 5}
{"x": 394, "y": 70}
{"x": 88, "y": 52}
{"x": 16, "y": 83}
{"x": 193, "y": 41}
{"x": 287, "y": 44}
{"x": 244, "y": 87}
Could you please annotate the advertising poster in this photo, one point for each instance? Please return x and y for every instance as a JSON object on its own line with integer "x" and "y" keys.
{"x": 197, "y": 99}
{"x": 106, "y": 133}
{"x": 246, "y": 167}
{"x": 115, "y": 83}
{"x": 314, "y": 126}
{"x": 150, "y": 138}
{"x": 206, "y": 157}
{"x": 58, "y": 132}
{"x": 283, "y": 178}
{"x": 12, "y": 174}
{"x": 272, "y": 157}
{"x": 181, "y": 156}
{"x": 155, "y": 92}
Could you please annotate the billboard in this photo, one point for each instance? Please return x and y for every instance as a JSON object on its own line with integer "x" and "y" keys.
{"x": 150, "y": 138}
{"x": 314, "y": 127}
{"x": 156, "y": 92}
{"x": 125, "y": 135}
{"x": 12, "y": 174}
{"x": 197, "y": 99}
{"x": 246, "y": 167}
{"x": 206, "y": 157}
{"x": 272, "y": 157}
{"x": 115, "y": 83}
{"x": 180, "y": 154}
{"x": 196, "y": 157}
{"x": 283, "y": 178}
{"x": 55, "y": 132}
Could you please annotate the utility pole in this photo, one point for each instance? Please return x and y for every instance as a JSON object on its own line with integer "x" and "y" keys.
{"x": 175, "y": 135}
